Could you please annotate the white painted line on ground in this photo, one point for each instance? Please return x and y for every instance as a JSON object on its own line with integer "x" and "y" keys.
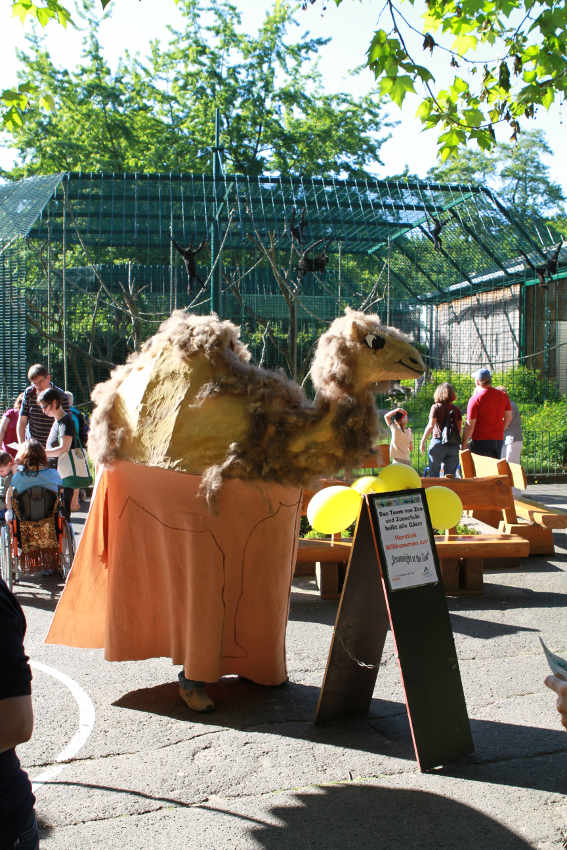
{"x": 86, "y": 723}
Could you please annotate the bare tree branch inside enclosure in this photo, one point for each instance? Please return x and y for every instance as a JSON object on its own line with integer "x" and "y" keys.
{"x": 290, "y": 261}
{"x": 131, "y": 297}
{"x": 194, "y": 303}
{"x": 233, "y": 281}
{"x": 56, "y": 337}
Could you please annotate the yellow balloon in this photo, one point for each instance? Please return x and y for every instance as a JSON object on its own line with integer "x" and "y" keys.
{"x": 400, "y": 476}
{"x": 368, "y": 484}
{"x": 333, "y": 509}
{"x": 445, "y": 507}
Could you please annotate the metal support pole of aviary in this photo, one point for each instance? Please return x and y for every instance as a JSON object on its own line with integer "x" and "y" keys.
{"x": 215, "y": 283}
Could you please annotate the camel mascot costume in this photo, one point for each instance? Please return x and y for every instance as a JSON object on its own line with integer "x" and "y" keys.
{"x": 189, "y": 547}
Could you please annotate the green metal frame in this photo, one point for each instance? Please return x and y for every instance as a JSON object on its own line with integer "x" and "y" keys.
{"x": 61, "y": 235}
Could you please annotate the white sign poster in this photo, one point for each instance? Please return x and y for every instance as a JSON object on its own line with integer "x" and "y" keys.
{"x": 406, "y": 545}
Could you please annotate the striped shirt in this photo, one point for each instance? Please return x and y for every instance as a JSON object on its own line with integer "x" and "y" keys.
{"x": 39, "y": 424}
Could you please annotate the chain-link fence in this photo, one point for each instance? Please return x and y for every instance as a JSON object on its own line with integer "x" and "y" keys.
{"x": 90, "y": 264}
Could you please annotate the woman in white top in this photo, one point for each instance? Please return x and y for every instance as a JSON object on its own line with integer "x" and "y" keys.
{"x": 401, "y": 443}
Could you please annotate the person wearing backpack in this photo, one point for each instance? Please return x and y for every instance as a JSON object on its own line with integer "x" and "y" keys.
{"x": 444, "y": 426}
{"x": 82, "y": 431}
{"x": 80, "y": 420}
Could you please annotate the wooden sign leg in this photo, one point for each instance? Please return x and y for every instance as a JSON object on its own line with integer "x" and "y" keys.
{"x": 360, "y": 631}
{"x": 393, "y": 580}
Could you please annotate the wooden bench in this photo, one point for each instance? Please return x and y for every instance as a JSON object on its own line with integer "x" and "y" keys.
{"x": 464, "y": 558}
{"x": 529, "y": 519}
{"x": 327, "y": 558}
{"x": 461, "y": 557}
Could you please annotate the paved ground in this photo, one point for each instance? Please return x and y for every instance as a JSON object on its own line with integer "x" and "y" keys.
{"x": 258, "y": 774}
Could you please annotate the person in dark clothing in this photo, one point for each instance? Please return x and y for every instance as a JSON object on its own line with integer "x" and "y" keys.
{"x": 18, "y": 825}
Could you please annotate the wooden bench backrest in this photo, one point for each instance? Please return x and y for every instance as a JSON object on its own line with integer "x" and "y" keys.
{"x": 493, "y": 491}
{"x": 519, "y": 478}
{"x": 379, "y": 458}
{"x": 473, "y": 465}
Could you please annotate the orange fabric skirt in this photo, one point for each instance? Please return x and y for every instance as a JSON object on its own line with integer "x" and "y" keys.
{"x": 159, "y": 574}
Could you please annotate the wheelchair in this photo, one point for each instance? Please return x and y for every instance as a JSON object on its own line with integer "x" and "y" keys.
{"x": 38, "y": 538}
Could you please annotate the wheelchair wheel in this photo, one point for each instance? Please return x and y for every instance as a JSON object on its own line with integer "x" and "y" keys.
{"x": 67, "y": 549}
{"x": 6, "y": 555}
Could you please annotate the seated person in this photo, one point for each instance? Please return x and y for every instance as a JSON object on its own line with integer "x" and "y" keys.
{"x": 7, "y": 467}
{"x": 33, "y": 471}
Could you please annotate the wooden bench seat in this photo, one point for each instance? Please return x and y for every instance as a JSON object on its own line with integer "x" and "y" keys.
{"x": 528, "y": 518}
{"x": 313, "y": 549}
{"x": 461, "y": 560}
{"x": 534, "y": 511}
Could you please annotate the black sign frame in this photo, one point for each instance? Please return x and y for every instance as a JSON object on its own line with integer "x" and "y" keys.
{"x": 425, "y": 647}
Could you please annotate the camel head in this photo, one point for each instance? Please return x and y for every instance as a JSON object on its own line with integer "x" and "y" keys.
{"x": 357, "y": 352}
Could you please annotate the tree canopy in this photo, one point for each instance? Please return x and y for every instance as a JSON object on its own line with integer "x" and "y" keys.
{"x": 157, "y": 113}
{"x": 504, "y": 61}
{"x": 516, "y": 172}
{"x": 501, "y": 62}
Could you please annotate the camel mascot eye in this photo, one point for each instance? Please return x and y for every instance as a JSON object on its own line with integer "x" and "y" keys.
{"x": 374, "y": 342}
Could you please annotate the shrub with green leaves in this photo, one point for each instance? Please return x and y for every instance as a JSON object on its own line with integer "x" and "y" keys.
{"x": 545, "y": 437}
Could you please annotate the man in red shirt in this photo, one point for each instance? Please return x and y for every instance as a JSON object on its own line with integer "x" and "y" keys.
{"x": 488, "y": 415}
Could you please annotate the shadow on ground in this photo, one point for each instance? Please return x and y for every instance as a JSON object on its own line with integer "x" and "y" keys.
{"x": 503, "y": 750}
{"x": 342, "y": 817}
{"x": 40, "y": 592}
{"x": 501, "y": 597}
{"x": 381, "y": 818}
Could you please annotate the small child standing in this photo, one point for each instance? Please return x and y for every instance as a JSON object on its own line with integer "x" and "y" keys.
{"x": 401, "y": 443}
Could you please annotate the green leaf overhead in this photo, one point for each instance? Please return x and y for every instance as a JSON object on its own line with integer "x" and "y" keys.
{"x": 504, "y": 59}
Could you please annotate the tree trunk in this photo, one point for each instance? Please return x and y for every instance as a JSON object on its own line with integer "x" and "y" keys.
{"x": 292, "y": 337}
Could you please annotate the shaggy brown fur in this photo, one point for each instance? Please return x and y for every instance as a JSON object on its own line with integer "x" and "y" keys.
{"x": 288, "y": 439}
{"x": 189, "y": 335}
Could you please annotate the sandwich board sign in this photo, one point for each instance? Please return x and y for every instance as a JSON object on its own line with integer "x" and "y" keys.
{"x": 393, "y": 581}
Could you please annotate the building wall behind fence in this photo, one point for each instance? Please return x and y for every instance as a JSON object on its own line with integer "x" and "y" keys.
{"x": 478, "y": 330}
